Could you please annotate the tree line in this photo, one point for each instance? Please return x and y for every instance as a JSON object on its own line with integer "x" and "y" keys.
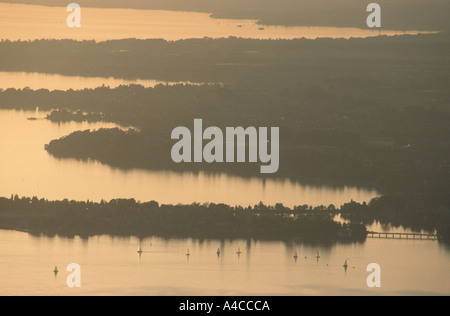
{"x": 205, "y": 221}
{"x": 219, "y": 221}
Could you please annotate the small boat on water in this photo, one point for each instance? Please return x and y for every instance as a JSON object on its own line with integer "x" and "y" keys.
{"x": 296, "y": 256}
{"x": 345, "y": 264}
{"x": 188, "y": 253}
{"x": 239, "y": 252}
{"x": 218, "y": 251}
{"x": 139, "y": 250}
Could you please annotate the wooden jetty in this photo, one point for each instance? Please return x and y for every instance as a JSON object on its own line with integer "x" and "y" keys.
{"x": 404, "y": 236}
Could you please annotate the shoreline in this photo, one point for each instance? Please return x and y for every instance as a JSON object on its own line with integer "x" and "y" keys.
{"x": 294, "y": 16}
{"x": 126, "y": 217}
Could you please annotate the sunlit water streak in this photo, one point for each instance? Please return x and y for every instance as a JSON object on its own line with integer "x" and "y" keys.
{"x": 29, "y": 22}
{"x": 37, "y": 81}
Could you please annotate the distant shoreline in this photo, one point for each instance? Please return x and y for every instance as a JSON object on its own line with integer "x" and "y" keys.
{"x": 344, "y": 13}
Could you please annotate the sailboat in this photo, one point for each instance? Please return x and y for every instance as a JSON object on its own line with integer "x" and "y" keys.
{"x": 56, "y": 270}
{"x": 345, "y": 264}
{"x": 296, "y": 256}
{"x": 318, "y": 255}
{"x": 139, "y": 250}
{"x": 188, "y": 253}
{"x": 239, "y": 252}
{"x": 218, "y": 251}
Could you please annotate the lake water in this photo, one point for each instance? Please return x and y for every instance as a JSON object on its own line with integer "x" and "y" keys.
{"x": 27, "y": 169}
{"x": 29, "y": 22}
{"x": 36, "y": 81}
{"x": 111, "y": 266}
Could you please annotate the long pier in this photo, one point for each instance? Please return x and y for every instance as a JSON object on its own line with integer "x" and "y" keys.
{"x": 404, "y": 236}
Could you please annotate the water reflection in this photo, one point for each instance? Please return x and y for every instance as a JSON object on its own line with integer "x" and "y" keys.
{"x": 28, "y": 170}
{"x": 110, "y": 266}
